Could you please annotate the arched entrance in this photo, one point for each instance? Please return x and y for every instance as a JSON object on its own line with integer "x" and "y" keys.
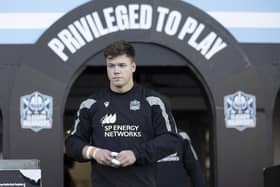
{"x": 171, "y": 75}
{"x": 276, "y": 130}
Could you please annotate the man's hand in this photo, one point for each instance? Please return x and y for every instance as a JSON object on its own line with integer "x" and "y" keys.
{"x": 126, "y": 158}
{"x": 108, "y": 158}
{"x": 103, "y": 157}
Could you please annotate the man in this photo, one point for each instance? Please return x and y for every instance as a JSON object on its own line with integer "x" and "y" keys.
{"x": 177, "y": 168}
{"x": 123, "y": 130}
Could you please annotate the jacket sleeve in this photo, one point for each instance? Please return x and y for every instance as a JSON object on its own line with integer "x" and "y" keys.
{"x": 81, "y": 132}
{"x": 191, "y": 165}
{"x": 165, "y": 137}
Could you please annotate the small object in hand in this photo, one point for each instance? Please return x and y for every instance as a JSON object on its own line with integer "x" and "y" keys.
{"x": 114, "y": 154}
{"x": 115, "y": 162}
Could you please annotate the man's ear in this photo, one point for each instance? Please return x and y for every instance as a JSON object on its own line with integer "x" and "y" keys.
{"x": 133, "y": 67}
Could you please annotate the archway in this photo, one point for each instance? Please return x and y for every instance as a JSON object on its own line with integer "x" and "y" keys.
{"x": 171, "y": 75}
{"x": 276, "y": 130}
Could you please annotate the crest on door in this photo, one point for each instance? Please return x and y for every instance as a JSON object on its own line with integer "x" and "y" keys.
{"x": 240, "y": 111}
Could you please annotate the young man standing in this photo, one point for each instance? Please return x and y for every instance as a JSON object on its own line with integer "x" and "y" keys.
{"x": 123, "y": 130}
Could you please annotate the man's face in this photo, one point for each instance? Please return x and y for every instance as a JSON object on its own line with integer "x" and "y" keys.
{"x": 120, "y": 71}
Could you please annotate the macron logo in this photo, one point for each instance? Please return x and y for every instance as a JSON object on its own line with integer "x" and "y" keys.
{"x": 109, "y": 119}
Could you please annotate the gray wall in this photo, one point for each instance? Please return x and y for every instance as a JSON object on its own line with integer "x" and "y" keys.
{"x": 267, "y": 60}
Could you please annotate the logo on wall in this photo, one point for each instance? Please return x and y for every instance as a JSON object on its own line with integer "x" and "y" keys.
{"x": 36, "y": 111}
{"x": 240, "y": 111}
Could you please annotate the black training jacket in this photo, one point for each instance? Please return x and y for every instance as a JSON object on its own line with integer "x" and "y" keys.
{"x": 181, "y": 169}
{"x": 138, "y": 120}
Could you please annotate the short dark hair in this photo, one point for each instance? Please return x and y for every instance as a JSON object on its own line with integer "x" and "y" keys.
{"x": 119, "y": 47}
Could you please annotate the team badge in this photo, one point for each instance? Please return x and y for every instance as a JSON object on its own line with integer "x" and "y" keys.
{"x": 240, "y": 111}
{"x": 134, "y": 105}
{"x": 36, "y": 111}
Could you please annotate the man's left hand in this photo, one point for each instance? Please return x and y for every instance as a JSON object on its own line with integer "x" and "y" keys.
{"x": 126, "y": 158}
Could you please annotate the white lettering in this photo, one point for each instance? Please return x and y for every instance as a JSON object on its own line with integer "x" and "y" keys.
{"x": 195, "y": 35}
{"x": 146, "y": 14}
{"x": 83, "y": 28}
{"x": 110, "y": 20}
{"x": 103, "y": 31}
{"x": 218, "y": 46}
{"x": 161, "y": 17}
{"x": 77, "y": 35}
{"x": 172, "y": 23}
{"x": 188, "y": 27}
{"x": 93, "y": 26}
{"x": 133, "y": 16}
{"x": 206, "y": 43}
{"x": 125, "y": 127}
{"x": 108, "y": 127}
{"x": 57, "y": 46}
{"x": 122, "y": 17}
{"x": 70, "y": 42}
{"x": 122, "y": 134}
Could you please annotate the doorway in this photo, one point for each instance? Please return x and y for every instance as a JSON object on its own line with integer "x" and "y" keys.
{"x": 166, "y": 72}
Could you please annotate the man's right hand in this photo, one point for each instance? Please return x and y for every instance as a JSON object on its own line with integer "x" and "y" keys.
{"x": 103, "y": 157}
